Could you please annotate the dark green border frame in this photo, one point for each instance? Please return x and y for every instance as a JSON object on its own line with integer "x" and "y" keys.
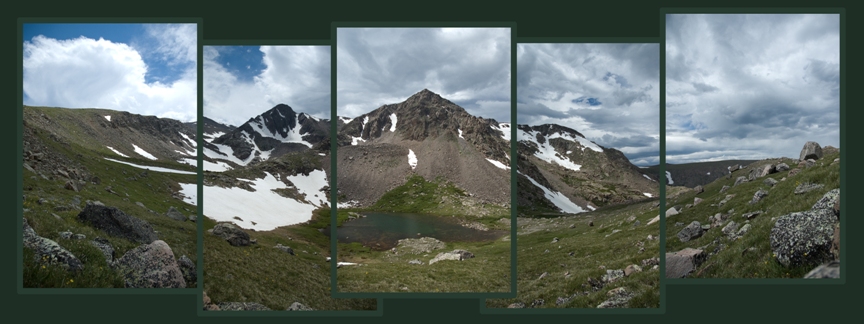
{"x": 19, "y": 156}
{"x": 662, "y": 184}
{"x": 843, "y": 204}
{"x": 379, "y": 309}
{"x": 333, "y": 170}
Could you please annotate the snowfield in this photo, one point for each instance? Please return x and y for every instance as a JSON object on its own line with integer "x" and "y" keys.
{"x": 345, "y": 119}
{"x": 558, "y": 199}
{"x": 647, "y": 194}
{"x": 208, "y": 166}
{"x": 116, "y": 151}
{"x": 152, "y": 168}
{"x": 143, "y": 153}
{"x": 189, "y": 140}
{"x": 292, "y": 135}
{"x": 263, "y": 209}
{"x": 412, "y": 159}
{"x": 311, "y": 185}
{"x": 393, "y": 120}
{"x": 190, "y": 193}
{"x": 669, "y": 177}
{"x": 108, "y": 117}
{"x": 460, "y": 133}
{"x": 647, "y": 177}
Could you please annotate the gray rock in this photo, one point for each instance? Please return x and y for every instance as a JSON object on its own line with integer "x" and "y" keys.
{"x": 696, "y": 201}
{"x": 794, "y": 171}
{"x": 65, "y": 235}
{"x": 631, "y": 269}
{"x": 751, "y": 214}
{"x": 740, "y": 180}
{"x": 421, "y": 245}
{"x": 618, "y": 298}
{"x": 671, "y": 212}
{"x": 807, "y": 187}
{"x": 725, "y": 200}
{"x": 730, "y": 228}
{"x": 698, "y": 189}
{"x": 117, "y": 223}
{"x": 285, "y": 249}
{"x": 232, "y": 234}
{"x": 782, "y": 167}
{"x": 692, "y": 231}
{"x": 295, "y": 306}
{"x": 803, "y": 238}
{"x": 79, "y": 236}
{"x": 744, "y": 229}
{"x": 612, "y": 275}
{"x": 72, "y": 185}
{"x": 48, "y": 251}
{"x": 516, "y": 305}
{"x": 811, "y": 150}
{"x": 770, "y": 182}
{"x": 758, "y": 196}
{"x": 175, "y": 214}
{"x": 680, "y": 264}
{"x": 415, "y": 261}
{"x": 151, "y": 266}
{"x": 457, "y": 255}
{"x": 829, "y": 270}
{"x": 722, "y": 190}
{"x": 828, "y": 200}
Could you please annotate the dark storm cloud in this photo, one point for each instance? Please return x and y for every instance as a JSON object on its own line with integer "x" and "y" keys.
{"x": 750, "y": 86}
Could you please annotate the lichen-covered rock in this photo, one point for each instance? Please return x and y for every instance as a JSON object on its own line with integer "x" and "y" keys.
{"x": 117, "y": 223}
{"x": 807, "y": 187}
{"x": 803, "y": 238}
{"x": 188, "y": 268}
{"x": 828, "y": 200}
{"x": 285, "y": 249}
{"x": 730, "y": 228}
{"x": 612, "y": 275}
{"x": 151, "y": 266}
{"x": 618, "y": 298}
{"x": 48, "y": 251}
{"x": 105, "y": 247}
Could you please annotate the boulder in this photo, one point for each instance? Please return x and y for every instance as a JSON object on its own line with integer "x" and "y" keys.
{"x": 612, "y": 275}
{"x": 48, "y": 251}
{"x": 730, "y": 229}
{"x": 722, "y": 190}
{"x": 618, "y": 298}
{"x": 803, "y": 238}
{"x": 725, "y": 200}
{"x": 807, "y": 187}
{"x": 117, "y": 223}
{"x": 740, "y": 180}
{"x": 631, "y": 269}
{"x": 811, "y": 150}
{"x": 671, "y": 212}
{"x": 696, "y": 201}
{"x": 680, "y": 264}
{"x": 232, "y": 234}
{"x": 794, "y": 171}
{"x": 770, "y": 182}
{"x": 72, "y": 185}
{"x": 174, "y": 214}
{"x": 758, "y": 196}
{"x": 828, "y": 200}
{"x": 751, "y": 214}
{"x": 236, "y": 306}
{"x": 765, "y": 170}
{"x": 151, "y": 266}
{"x": 698, "y": 189}
{"x": 105, "y": 247}
{"x": 692, "y": 231}
{"x": 782, "y": 167}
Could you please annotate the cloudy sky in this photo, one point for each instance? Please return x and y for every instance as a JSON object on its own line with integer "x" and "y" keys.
{"x": 608, "y": 92}
{"x": 148, "y": 69}
{"x": 241, "y": 82}
{"x": 468, "y": 66}
{"x": 751, "y": 86}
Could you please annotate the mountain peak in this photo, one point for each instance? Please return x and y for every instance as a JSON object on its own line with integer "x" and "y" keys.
{"x": 425, "y": 95}
{"x": 284, "y": 109}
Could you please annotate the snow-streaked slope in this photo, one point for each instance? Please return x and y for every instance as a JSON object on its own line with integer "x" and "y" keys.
{"x": 152, "y": 168}
{"x": 504, "y": 128}
{"x": 412, "y": 159}
{"x": 393, "y": 121}
{"x": 647, "y": 194}
{"x": 498, "y": 164}
{"x": 558, "y": 199}
{"x": 292, "y": 134}
{"x": 116, "y": 151}
{"x": 345, "y": 119}
{"x": 208, "y": 166}
{"x": 263, "y": 207}
{"x": 669, "y": 178}
{"x": 460, "y": 134}
{"x": 358, "y": 139}
{"x": 546, "y": 152}
{"x": 649, "y": 178}
{"x": 108, "y": 117}
{"x": 143, "y": 153}
{"x": 227, "y": 153}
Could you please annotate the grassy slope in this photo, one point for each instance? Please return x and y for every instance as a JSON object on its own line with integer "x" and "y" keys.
{"x": 260, "y": 273}
{"x": 154, "y": 191}
{"x": 733, "y": 261}
{"x": 488, "y": 271}
{"x": 592, "y": 249}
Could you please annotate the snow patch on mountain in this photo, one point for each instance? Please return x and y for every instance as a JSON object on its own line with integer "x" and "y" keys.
{"x": 558, "y": 199}
{"x": 116, "y": 151}
{"x": 143, "y": 153}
